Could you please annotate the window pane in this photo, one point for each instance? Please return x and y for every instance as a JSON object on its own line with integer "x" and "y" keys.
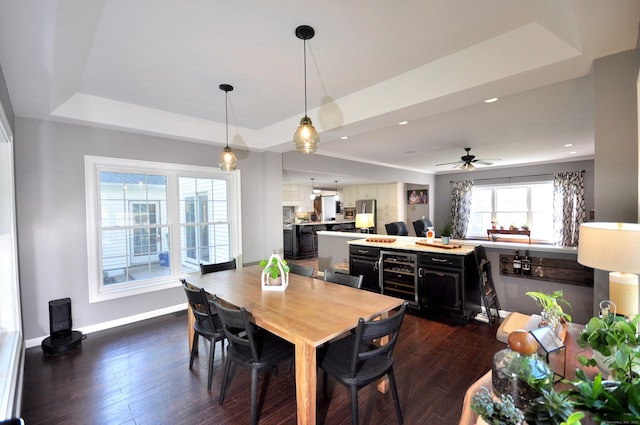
{"x": 204, "y": 218}
{"x": 511, "y": 199}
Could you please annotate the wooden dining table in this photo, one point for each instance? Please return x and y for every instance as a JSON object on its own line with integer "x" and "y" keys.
{"x": 308, "y": 313}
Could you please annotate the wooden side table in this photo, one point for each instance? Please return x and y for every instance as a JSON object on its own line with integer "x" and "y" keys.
{"x": 491, "y": 232}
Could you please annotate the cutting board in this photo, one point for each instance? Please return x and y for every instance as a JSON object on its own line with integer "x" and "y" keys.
{"x": 439, "y": 245}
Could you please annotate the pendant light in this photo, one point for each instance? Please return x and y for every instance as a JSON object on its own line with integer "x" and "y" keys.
{"x": 306, "y": 137}
{"x": 313, "y": 191}
{"x": 337, "y": 195}
{"x": 228, "y": 160}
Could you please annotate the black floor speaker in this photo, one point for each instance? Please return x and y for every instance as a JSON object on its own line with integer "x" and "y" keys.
{"x": 61, "y": 339}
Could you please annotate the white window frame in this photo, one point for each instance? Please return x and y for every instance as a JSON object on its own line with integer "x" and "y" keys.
{"x": 530, "y": 211}
{"x": 98, "y": 291}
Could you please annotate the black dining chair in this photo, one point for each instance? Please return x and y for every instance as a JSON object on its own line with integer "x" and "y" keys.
{"x": 397, "y": 228}
{"x": 358, "y": 359}
{"x": 217, "y": 267}
{"x": 301, "y": 270}
{"x": 206, "y": 325}
{"x": 343, "y": 279}
{"x": 249, "y": 347}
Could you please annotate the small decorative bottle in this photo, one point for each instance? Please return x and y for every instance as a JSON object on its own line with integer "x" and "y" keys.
{"x": 517, "y": 263}
{"x": 526, "y": 264}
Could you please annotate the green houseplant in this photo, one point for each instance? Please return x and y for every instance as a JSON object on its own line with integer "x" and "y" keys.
{"x": 275, "y": 273}
{"x": 501, "y": 411}
{"x": 615, "y": 342}
{"x": 552, "y": 311}
{"x": 445, "y": 232}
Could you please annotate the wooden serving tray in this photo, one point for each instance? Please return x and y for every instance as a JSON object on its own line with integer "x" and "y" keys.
{"x": 385, "y": 240}
{"x": 439, "y": 245}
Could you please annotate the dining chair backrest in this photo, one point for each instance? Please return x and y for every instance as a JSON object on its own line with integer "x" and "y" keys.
{"x": 218, "y": 267}
{"x": 344, "y": 279}
{"x": 398, "y": 228}
{"x": 367, "y": 337}
{"x": 301, "y": 270}
{"x": 420, "y": 226}
{"x": 240, "y": 332}
{"x": 197, "y": 299}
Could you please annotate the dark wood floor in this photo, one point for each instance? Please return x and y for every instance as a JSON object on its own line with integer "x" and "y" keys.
{"x": 138, "y": 374}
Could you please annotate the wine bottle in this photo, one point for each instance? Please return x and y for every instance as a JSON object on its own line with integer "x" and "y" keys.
{"x": 526, "y": 264}
{"x": 517, "y": 263}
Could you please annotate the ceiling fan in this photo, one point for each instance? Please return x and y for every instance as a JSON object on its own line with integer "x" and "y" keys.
{"x": 467, "y": 161}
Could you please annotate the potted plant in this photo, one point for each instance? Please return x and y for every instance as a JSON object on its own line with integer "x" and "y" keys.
{"x": 552, "y": 408}
{"x": 615, "y": 343}
{"x": 552, "y": 311}
{"x": 445, "y": 232}
{"x": 275, "y": 272}
{"x": 500, "y": 411}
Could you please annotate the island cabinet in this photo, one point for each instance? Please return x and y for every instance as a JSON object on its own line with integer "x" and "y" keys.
{"x": 448, "y": 284}
{"x": 434, "y": 281}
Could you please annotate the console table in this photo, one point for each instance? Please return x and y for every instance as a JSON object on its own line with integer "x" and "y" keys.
{"x": 491, "y": 232}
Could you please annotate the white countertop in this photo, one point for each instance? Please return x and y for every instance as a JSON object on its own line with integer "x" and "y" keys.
{"x": 408, "y": 243}
{"x": 323, "y": 223}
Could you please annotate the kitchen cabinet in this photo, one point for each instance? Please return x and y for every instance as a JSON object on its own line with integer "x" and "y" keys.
{"x": 369, "y": 191}
{"x": 387, "y": 196}
{"x": 350, "y": 196}
{"x": 364, "y": 261}
{"x": 288, "y": 242}
{"x": 448, "y": 284}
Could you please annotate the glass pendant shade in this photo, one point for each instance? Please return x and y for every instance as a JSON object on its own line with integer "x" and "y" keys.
{"x": 228, "y": 160}
{"x": 306, "y": 137}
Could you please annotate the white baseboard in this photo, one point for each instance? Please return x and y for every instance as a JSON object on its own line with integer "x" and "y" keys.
{"x": 35, "y": 342}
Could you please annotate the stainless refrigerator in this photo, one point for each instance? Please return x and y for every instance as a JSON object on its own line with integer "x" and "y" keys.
{"x": 368, "y": 206}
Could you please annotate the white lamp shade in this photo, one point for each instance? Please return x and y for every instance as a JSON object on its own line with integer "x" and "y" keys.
{"x": 364, "y": 221}
{"x": 610, "y": 246}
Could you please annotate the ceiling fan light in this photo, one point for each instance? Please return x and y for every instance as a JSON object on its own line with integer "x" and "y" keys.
{"x": 306, "y": 137}
{"x": 468, "y": 166}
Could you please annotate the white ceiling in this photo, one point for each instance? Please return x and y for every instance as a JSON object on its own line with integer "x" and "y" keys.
{"x": 154, "y": 67}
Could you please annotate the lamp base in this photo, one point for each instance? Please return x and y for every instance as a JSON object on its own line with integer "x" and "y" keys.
{"x": 623, "y": 291}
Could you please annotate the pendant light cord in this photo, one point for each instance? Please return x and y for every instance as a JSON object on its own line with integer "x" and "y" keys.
{"x": 305, "y": 76}
{"x": 226, "y": 115}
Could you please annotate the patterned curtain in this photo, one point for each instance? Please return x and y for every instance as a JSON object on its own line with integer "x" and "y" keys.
{"x": 460, "y": 207}
{"x": 568, "y": 207}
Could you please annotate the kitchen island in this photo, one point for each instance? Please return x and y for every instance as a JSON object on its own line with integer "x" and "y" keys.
{"x": 301, "y": 239}
{"x": 435, "y": 279}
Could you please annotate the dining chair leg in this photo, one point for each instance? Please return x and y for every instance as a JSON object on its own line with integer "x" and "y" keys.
{"x": 354, "y": 405}
{"x": 324, "y": 385}
{"x": 225, "y": 380}
{"x": 212, "y": 357}
{"x": 394, "y": 393}
{"x": 194, "y": 350}
{"x": 254, "y": 396}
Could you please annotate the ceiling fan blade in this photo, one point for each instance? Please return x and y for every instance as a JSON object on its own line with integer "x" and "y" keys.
{"x": 450, "y": 163}
{"x": 482, "y": 162}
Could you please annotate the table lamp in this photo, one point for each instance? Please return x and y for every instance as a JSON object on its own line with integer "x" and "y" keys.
{"x": 364, "y": 221}
{"x": 614, "y": 247}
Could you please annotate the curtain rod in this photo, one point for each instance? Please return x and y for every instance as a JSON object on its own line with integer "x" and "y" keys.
{"x": 512, "y": 177}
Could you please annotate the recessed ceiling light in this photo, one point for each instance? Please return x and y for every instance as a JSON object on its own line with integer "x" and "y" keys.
{"x": 568, "y": 145}
{"x": 344, "y": 137}
{"x": 493, "y": 99}
{"x": 573, "y": 152}
{"x": 403, "y": 122}
{"x": 410, "y": 152}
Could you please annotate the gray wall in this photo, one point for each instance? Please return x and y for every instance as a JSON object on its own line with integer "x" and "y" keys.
{"x": 616, "y": 143}
{"x": 51, "y": 214}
